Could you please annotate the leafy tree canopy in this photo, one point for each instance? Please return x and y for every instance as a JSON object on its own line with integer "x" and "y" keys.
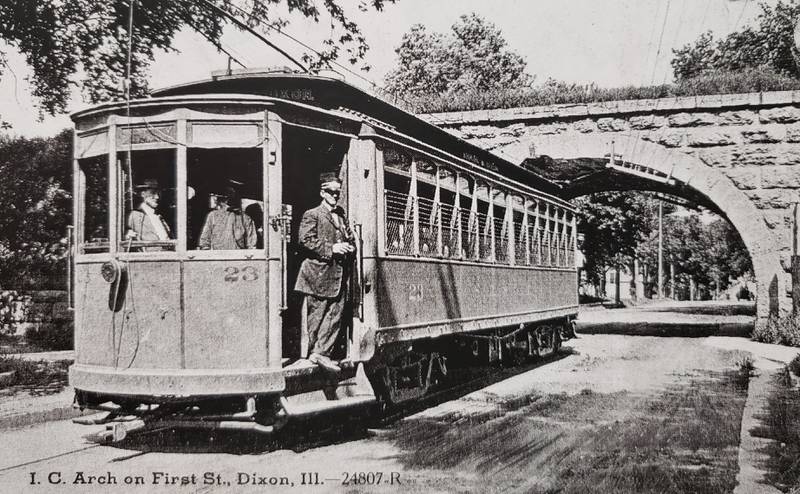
{"x": 769, "y": 44}
{"x": 613, "y": 224}
{"x": 63, "y": 38}
{"x": 619, "y": 227}
{"x": 472, "y": 57}
{"x": 35, "y": 201}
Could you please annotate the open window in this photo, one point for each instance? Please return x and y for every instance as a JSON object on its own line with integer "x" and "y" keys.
{"x": 93, "y": 207}
{"x": 225, "y": 199}
{"x": 147, "y": 200}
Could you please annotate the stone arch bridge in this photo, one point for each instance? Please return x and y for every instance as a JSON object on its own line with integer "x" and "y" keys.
{"x": 737, "y": 155}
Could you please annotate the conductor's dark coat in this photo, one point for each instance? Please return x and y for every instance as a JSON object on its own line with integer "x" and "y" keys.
{"x": 321, "y": 272}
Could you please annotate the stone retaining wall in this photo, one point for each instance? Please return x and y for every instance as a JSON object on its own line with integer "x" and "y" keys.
{"x": 26, "y": 312}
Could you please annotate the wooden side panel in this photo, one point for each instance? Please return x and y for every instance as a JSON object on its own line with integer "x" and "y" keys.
{"x": 225, "y": 314}
{"x": 92, "y": 317}
{"x": 415, "y": 292}
{"x": 145, "y": 332}
{"x": 153, "y": 335}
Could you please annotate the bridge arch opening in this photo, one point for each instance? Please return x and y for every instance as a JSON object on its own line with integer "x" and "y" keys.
{"x": 637, "y": 164}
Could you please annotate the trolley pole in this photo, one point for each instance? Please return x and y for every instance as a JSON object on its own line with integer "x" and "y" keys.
{"x": 660, "y": 249}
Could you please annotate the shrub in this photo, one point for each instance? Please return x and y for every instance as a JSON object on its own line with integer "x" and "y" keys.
{"x": 781, "y": 330}
{"x": 794, "y": 365}
{"x": 13, "y": 310}
{"x": 750, "y": 80}
{"x": 51, "y": 336}
{"x": 32, "y": 373}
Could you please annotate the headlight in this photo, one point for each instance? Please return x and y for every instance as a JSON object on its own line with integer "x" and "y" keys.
{"x": 110, "y": 271}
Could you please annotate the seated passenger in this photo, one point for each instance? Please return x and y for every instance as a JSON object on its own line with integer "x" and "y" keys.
{"x": 144, "y": 223}
{"x": 227, "y": 227}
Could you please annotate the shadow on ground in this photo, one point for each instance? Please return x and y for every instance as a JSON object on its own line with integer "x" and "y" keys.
{"x": 305, "y": 435}
{"x": 684, "y": 440}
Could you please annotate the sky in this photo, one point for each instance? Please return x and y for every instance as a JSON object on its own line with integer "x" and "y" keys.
{"x": 607, "y": 42}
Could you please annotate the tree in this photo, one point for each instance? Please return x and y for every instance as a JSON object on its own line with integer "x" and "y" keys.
{"x": 770, "y": 44}
{"x": 613, "y": 224}
{"x": 711, "y": 255}
{"x": 473, "y": 57}
{"x": 35, "y": 201}
{"x": 83, "y": 43}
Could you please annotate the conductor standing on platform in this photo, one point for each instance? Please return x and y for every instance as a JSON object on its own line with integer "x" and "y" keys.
{"x": 330, "y": 245}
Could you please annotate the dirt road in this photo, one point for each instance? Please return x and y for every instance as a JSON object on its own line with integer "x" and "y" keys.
{"x": 608, "y": 403}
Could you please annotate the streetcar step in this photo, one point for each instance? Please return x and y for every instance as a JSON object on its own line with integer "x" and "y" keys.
{"x": 300, "y": 410}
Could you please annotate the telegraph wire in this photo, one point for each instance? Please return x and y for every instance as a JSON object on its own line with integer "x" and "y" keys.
{"x": 380, "y": 90}
{"x": 255, "y": 33}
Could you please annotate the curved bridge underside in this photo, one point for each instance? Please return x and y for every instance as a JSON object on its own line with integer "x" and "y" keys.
{"x": 582, "y": 165}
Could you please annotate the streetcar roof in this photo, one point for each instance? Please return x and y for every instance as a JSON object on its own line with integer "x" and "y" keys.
{"x": 333, "y": 94}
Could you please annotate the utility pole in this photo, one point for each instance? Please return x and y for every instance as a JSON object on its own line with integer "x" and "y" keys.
{"x": 660, "y": 250}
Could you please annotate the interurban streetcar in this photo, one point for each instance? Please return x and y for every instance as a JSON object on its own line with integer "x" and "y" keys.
{"x": 463, "y": 257}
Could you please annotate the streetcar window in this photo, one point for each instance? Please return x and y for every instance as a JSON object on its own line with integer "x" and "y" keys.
{"x": 500, "y": 230}
{"x": 465, "y": 200}
{"x": 534, "y": 237}
{"x": 427, "y": 200}
{"x": 518, "y": 221}
{"x": 147, "y": 200}
{"x": 399, "y": 214}
{"x": 480, "y": 226}
{"x": 94, "y": 205}
{"x": 225, "y": 199}
{"x": 448, "y": 213}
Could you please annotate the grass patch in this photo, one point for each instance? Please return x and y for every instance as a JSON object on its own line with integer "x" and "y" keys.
{"x": 554, "y": 92}
{"x": 783, "y": 426}
{"x": 36, "y": 376}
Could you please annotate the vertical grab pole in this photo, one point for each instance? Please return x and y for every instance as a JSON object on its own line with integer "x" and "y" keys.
{"x": 286, "y": 233}
{"x": 70, "y": 305}
{"x": 360, "y": 267}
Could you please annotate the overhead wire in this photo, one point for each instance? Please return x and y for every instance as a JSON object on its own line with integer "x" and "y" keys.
{"x": 380, "y": 90}
{"x": 255, "y": 33}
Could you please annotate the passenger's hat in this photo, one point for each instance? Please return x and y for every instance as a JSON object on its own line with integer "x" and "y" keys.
{"x": 147, "y": 184}
{"x": 228, "y": 192}
{"x": 326, "y": 178}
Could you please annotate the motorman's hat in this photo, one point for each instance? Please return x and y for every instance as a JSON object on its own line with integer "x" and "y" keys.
{"x": 326, "y": 178}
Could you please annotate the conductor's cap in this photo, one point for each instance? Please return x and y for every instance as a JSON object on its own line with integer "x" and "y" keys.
{"x": 329, "y": 178}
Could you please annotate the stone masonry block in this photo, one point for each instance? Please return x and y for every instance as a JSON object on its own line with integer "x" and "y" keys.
{"x": 745, "y": 178}
{"x": 778, "y": 218}
{"x": 793, "y": 133}
{"x": 765, "y": 154}
{"x": 647, "y": 122}
{"x": 708, "y": 138}
{"x": 737, "y": 117}
{"x": 769, "y": 135}
{"x": 478, "y": 131}
{"x": 48, "y": 295}
{"x": 670, "y": 140}
{"x": 612, "y": 124}
{"x": 716, "y": 157}
{"x": 780, "y": 177}
{"x": 515, "y": 130}
{"x": 686, "y": 119}
{"x": 550, "y": 129}
{"x": 782, "y": 114}
{"x": 585, "y": 126}
{"x": 772, "y": 198}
